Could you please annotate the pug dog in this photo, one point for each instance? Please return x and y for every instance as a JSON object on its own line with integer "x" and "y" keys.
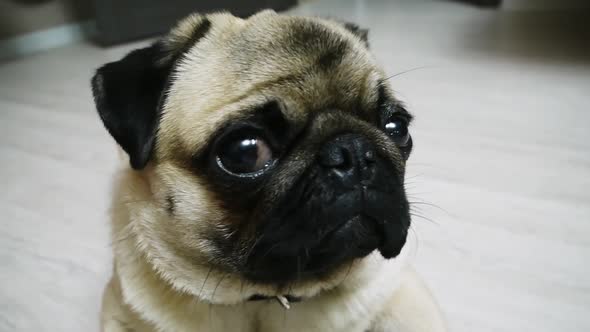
{"x": 266, "y": 187}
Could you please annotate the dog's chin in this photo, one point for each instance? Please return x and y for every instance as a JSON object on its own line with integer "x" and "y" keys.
{"x": 356, "y": 238}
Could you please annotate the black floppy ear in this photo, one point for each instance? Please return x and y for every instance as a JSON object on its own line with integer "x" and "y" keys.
{"x": 127, "y": 94}
{"x": 363, "y": 34}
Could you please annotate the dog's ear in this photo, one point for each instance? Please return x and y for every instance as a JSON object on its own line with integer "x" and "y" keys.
{"x": 128, "y": 93}
{"x": 363, "y": 34}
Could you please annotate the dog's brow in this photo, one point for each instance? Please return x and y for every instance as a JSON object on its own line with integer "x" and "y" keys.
{"x": 270, "y": 114}
{"x": 269, "y": 109}
{"x": 382, "y": 97}
{"x": 386, "y": 101}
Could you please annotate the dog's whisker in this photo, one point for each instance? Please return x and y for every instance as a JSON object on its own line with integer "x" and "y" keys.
{"x": 347, "y": 272}
{"x": 212, "y": 300}
{"x": 414, "y": 195}
{"x": 216, "y": 286}
{"x": 414, "y": 203}
{"x": 271, "y": 249}
{"x": 120, "y": 239}
{"x": 258, "y": 239}
{"x": 123, "y": 235}
{"x": 406, "y": 71}
{"x": 416, "y": 164}
{"x": 417, "y": 243}
{"x": 127, "y": 202}
{"x": 416, "y": 210}
{"x": 423, "y": 217}
{"x": 411, "y": 177}
{"x": 205, "y": 281}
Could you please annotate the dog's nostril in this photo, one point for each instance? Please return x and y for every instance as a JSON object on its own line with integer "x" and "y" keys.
{"x": 335, "y": 156}
{"x": 349, "y": 155}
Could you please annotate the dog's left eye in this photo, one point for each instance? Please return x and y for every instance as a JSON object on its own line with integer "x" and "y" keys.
{"x": 245, "y": 155}
{"x": 397, "y": 129}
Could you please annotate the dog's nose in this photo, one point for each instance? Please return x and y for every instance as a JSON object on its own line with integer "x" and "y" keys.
{"x": 350, "y": 158}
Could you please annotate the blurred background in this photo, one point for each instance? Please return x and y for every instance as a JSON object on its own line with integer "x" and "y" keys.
{"x": 499, "y": 176}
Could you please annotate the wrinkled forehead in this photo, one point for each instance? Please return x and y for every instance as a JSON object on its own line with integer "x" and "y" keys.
{"x": 307, "y": 63}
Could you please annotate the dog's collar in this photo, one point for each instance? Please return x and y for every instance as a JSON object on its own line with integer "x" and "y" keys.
{"x": 284, "y": 300}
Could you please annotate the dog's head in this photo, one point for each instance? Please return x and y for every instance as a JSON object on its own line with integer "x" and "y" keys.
{"x": 273, "y": 147}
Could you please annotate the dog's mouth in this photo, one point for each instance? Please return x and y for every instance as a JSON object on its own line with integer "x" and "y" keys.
{"x": 319, "y": 242}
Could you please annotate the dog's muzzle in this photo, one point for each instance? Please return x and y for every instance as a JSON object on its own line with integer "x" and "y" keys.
{"x": 346, "y": 205}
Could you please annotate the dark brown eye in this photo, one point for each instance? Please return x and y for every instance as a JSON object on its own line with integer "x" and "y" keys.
{"x": 397, "y": 129}
{"x": 245, "y": 155}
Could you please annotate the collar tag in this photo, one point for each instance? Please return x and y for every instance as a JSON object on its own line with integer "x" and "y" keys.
{"x": 283, "y": 301}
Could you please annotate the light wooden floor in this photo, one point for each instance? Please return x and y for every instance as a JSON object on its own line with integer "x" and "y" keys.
{"x": 502, "y": 137}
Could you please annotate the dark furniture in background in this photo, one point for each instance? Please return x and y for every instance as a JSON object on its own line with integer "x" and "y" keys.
{"x": 485, "y": 3}
{"x": 124, "y": 20}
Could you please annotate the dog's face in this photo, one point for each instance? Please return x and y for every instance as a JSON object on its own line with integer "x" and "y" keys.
{"x": 273, "y": 148}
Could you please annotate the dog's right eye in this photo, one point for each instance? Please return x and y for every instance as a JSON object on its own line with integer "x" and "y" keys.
{"x": 397, "y": 129}
{"x": 245, "y": 156}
